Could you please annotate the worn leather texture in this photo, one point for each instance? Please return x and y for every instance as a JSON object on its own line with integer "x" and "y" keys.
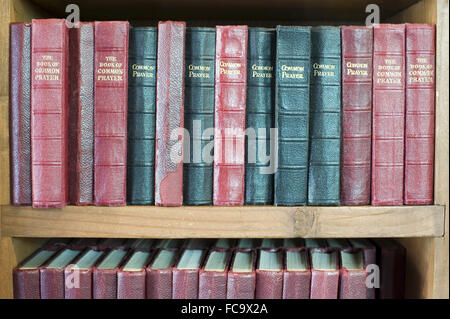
{"x": 159, "y": 283}
{"x": 292, "y": 114}
{"x": 141, "y": 116}
{"x": 357, "y": 47}
{"x": 229, "y": 118}
{"x": 269, "y": 284}
{"x": 213, "y": 284}
{"x": 420, "y": 95}
{"x": 297, "y": 284}
{"x": 352, "y": 284}
{"x": 20, "y": 112}
{"x": 131, "y": 284}
{"x": 388, "y": 120}
{"x": 170, "y": 114}
{"x": 81, "y": 114}
{"x": 49, "y": 105}
{"x": 52, "y": 283}
{"x": 110, "y": 135}
{"x": 259, "y": 114}
{"x": 199, "y": 107}
{"x": 84, "y": 291}
{"x": 242, "y": 285}
{"x": 370, "y": 258}
{"x": 325, "y": 117}
{"x": 324, "y": 283}
{"x": 104, "y": 282}
{"x": 185, "y": 283}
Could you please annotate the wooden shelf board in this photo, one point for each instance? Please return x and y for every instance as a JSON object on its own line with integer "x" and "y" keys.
{"x": 214, "y": 222}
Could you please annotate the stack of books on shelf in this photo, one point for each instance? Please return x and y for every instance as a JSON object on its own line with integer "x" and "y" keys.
{"x": 107, "y": 114}
{"x": 213, "y": 269}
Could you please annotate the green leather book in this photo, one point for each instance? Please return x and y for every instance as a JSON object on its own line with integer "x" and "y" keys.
{"x": 141, "y": 115}
{"x": 199, "y": 115}
{"x": 292, "y": 114}
{"x": 259, "y": 114}
{"x": 325, "y": 117}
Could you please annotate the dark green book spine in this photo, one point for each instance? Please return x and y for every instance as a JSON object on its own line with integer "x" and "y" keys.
{"x": 292, "y": 114}
{"x": 141, "y": 115}
{"x": 260, "y": 108}
{"x": 199, "y": 115}
{"x": 325, "y": 117}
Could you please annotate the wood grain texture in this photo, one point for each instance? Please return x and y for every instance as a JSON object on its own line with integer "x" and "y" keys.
{"x": 4, "y": 151}
{"x": 212, "y": 222}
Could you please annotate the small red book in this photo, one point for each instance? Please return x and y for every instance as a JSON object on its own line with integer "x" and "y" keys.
{"x": 169, "y": 114}
{"x": 297, "y": 273}
{"x": 131, "y": 276}
{"x": 229, "y": 119}
{"x": 269, "y": 274}
{"x": 214, "y": 274}
{"x": 186, "y": 274}
{"x": 352, "y": 281}
{"x": 388, "y": 117}
{"x": 420, "y": 95}
{"x": 104, "y": 275}
{"x": 324, "y": 273}
{"x": 241, "y": 282}
{"x": 110, "y": 115}
{"x": 49, "y": 105}
{"x": 159, "y": 274}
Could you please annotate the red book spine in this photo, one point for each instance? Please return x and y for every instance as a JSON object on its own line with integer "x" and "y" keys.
{"x": 269, "y": 284}
{"x": 241, "y": 285}
{"x": 352, "y": 284}
{"x": 420, "y": 95}
{"x": 20, "y": 112}
{"x": 230, "y": 104}
{"x": 296, "y": 284}
{"x": 26, "y": 284}
{"x": 185, "y": 283}
{"x": 84, "y": 290}
{"x": 81, "y": 114}
{"x": 357, "y": 43}
{"x": 212, "y": 285}
{"x": 169, "y": 114}
{"x": 110, "y": 115}
{"x": 159, "y": 283}
{"x": 49, "y": 65}
{"x": 131, "y": 284}
{"x": 52, "y": 283}
{"x": 324, "y": 284}
{"x": 388, "y": 114}
{"x": 104, "y": 283}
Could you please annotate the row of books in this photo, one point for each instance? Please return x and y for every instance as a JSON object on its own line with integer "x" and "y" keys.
{"x": 213, "y": 269}
{"x": 351, "y": 107}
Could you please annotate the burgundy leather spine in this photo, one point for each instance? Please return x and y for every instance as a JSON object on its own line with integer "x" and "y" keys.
{"x": 229, "y": 117}
{"x": 159, "y": 283}
{"x": 420, "y": 95}
{"x": 20, "y": 112}
{"x": 352, "y": 284}
{"x": 213, "y": 284}
{"x": 185, "y": 283}
{"x": 49, "y": 105}
{"x": 26, "y": 284}
{"x": 388, "y": 114}
{"x": 84, "y": 291}
{"x": 324, "y": 283}
{"x": 81, "y": 114}
{"x": 110, "y": 115}
{"x": 297, "y": 284}
{"x": 269, "y": 284}
{"x": 169, "y": 114}
{"x": 357, "y": 43}
{"x": 52, "y": 283}
{"x": 241, "y": 285}
{"x": 131, "y": 284}
{"x": 104, "y": 283}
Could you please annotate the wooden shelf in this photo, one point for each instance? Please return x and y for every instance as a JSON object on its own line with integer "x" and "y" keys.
{"x": 211, "y": 222}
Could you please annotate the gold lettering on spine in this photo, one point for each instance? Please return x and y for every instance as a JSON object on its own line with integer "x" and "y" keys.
{"x": 389, "y": 73}
{"x": 355, "y": 69}
{"x": 142, "y": 71}
{"x": 110, "y": 70}
{"x": 230, "y": 68}
{"x": 262, "y": 71}
{"x": 422, "y": 72}
{"x": 292, "y": 72}
{"x": 199, "y": 71}
{"x": 47, "y": 69}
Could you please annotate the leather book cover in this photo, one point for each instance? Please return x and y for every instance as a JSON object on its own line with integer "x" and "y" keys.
{"x": 131, "y": 282}
{"x": 260, "y": 110}
{"x": 185, "y": 281}
{"x": 357, "y": 47}
{"x": 159, "y": 281}
{"x": 20, "y": 113}
{"x": 26, "y": 275}
{"x": 370, "y": 258}
{"x": 49, "y": 105}
{"x": 170, "y": 114}
{"x": 199, "y": 115}
{"x": 269, "y": 283}
{"x": 420, "y": 95}
{"x": 388, "y": 117}
{"x": 141, "y": 116}
{"x": 325, "y": 117}
{"x": 81, "y": 114}
{"x": 212, "y": 284}
{"x": 324, "y": 283}
{"x": 297, "y": 283}
{"x": 242, "y": 285}
{"x": 104, "y": 276}
{"x": 352, "y": 282}
{"x": 292, "y": 114}
{"x": 229, "y": 118}
{"x": 110, "y": 116}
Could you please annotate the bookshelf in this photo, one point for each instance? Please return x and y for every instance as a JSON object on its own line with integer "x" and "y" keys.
{"x": 422, "y": 229}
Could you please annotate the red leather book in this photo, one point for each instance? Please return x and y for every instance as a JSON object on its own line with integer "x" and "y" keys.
{"x": 186, "y": 274}
{"x": 110, "y": 115}
{"x": 131, "y": 283}
{"x": 78, "y": 279}
{"x": 388, "y": 121}
{"x": 104, "y": 275}
{"x": 169, "y": 114}
{"x": 49, "y": 80}
{"x": 370, "y": 258}
{"x": 420, "y": 94}
{"x": 81, "y": 114}
{"x": 352, "y": 280}
{"x": 357, "y": 47}
{"x": 324, "y": 273}
{"x": 26, "y": 278}
{"x": 241, "y": 282}
{"x": 20, "y": 112}
{"x": 269, "y": 274}
{"x": 159, "y": 274}
{"x": 297, "y": 273}
{"x": 214, "y": 274}
{"x": 229, "y": 118}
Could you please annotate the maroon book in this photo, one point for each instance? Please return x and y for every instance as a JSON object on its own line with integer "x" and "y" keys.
{"x": 81, "y": 114}
{"x": 297, "y": 273}
{"x": 104, "y": 275}
{"x": 186, "y": 274}
{"x": 229, "y": 118}
{"x": 159, "y": 274}
{"x": 388, "y": 114}
{"x": 269, "y": 274}
{"x": 169, "y": 114}
{"x": 324, "y": 273}
{"x": 420, "y": 95}
{"x": 241, "y": 282}
{"x": 110, "y": 115}
{"x": 370, "y": 259}
{"x": 357, "y": 43}
{"x": 20, "y": 112}
{"x": 131, "y": 277}
{"x": 352, "y": 278}
{"x": 214, "y": 274}
{"x": 49, "y": 137}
